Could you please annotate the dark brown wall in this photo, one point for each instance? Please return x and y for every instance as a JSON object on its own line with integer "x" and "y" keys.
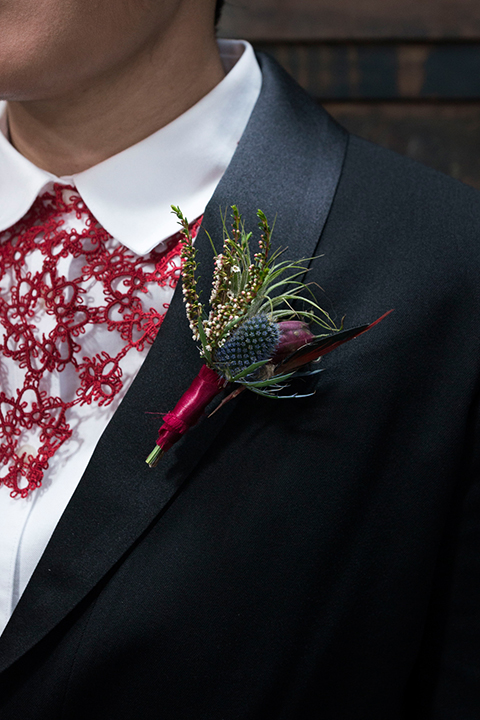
{"x": 352, "y": 19}
{"x": 404, "y": 74}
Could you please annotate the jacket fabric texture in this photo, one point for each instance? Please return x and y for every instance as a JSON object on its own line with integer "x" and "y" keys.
{"x": 287, "y": 559}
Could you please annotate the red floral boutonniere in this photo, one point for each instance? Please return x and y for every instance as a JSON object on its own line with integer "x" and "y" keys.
{"x": 252, "y": 337}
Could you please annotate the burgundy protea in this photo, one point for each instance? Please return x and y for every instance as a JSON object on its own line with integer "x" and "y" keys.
{"x": 293, "y": 335}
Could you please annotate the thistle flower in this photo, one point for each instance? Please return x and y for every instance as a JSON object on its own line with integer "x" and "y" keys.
{"x": 254, "y": 341}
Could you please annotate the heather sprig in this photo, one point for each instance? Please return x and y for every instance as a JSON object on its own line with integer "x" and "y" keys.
{"x": 193, "y": 306}
{"x": 237, "y": 280}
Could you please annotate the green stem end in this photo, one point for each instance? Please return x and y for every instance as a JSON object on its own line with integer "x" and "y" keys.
{"x": 154, "y": 457}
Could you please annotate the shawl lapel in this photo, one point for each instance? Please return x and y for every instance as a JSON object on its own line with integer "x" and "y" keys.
{"x": 288, "y": 162}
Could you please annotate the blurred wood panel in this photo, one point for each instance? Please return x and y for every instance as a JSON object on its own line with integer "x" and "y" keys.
{"x": 278, "y": 20}
{"x": 445, "y": 136}
{"x": 382, "y": 70}
{"x": 404, "y": 74}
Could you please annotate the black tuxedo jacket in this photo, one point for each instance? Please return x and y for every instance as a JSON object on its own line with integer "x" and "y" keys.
{"x": 290, "y": 559}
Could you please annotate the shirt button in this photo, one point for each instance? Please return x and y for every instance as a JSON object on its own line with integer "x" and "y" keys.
{"x": 27, "y": 450}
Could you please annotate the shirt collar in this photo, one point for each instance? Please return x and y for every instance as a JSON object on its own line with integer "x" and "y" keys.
{"x": 130, "y": 193}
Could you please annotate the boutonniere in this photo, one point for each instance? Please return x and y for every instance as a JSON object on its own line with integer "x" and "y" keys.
{"x": 257, "y": 334}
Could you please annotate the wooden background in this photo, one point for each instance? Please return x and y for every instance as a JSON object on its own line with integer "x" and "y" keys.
{"x": 404, "y": 73}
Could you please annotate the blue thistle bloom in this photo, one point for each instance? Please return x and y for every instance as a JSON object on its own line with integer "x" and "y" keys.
{"x": 255, "y": 340}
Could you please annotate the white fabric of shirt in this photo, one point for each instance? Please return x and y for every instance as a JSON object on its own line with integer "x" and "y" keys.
{"x": 130, "y": 194}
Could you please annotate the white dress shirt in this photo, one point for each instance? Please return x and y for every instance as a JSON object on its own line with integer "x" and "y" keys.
{"x": 130, "y": 194}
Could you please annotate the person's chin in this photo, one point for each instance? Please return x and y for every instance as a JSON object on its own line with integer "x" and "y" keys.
{"x": 26, "y": 81}
{"x": 21, "y": 80}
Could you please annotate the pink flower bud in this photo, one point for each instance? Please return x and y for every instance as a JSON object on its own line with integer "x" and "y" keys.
{"x": 293, "y": 335}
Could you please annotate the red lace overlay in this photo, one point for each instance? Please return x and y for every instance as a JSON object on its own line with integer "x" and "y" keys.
{"x": 52, "y": 263}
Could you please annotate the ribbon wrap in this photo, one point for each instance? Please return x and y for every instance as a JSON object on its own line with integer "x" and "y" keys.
{"x": 190, "y": 408}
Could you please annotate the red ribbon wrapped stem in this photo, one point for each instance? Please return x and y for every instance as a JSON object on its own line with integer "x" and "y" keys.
{"x": 188, "y": 411}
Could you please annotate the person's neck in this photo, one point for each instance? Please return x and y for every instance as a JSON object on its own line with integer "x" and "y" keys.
{"x": 73, "y": 132}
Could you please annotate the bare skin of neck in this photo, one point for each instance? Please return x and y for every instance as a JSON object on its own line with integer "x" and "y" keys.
{"x": 82, "y": 126}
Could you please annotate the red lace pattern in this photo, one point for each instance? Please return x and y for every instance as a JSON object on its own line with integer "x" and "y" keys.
{"x": 45, "y": 310}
